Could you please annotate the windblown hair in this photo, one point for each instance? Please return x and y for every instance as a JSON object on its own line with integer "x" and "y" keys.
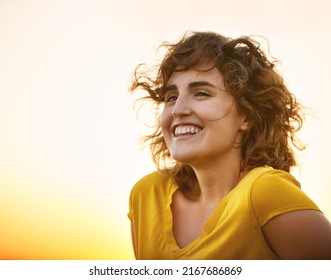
{"x": 273, "y": 114}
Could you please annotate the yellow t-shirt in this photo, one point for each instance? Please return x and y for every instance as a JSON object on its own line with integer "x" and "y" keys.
{"x": 233, "y": 231}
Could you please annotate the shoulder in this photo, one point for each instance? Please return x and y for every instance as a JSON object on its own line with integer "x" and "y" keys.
{"x": 276, "y": 192}
{"x": 149, "y": 195}
{"x": 292, "y": 225}
{"x": 152, "y": 183}
{"x": 275, "y": 181}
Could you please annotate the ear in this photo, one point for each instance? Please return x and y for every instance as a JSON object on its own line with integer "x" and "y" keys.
{"x": 244, "y": 125}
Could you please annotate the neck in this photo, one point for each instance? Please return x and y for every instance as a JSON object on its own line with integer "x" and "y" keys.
{"x": 217, "y": 179}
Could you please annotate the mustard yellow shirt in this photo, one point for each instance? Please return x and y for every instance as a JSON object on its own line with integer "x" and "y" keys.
{"x": 233, "y": 231}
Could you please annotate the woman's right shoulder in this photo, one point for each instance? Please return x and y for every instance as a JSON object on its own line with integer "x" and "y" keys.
{"x": 155, "y": 181}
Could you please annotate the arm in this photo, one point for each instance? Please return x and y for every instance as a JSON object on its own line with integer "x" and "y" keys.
{"x": 301, "y": 234}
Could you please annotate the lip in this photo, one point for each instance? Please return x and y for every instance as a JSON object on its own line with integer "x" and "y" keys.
{"x": 175, "y": 125}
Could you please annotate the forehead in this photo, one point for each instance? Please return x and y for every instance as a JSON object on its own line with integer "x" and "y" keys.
{"x": 201, "y": 73}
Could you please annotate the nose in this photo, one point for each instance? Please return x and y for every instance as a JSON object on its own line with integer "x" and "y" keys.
{"x": 181, "y": 107}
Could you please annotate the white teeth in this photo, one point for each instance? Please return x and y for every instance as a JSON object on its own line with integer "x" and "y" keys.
{"x": 187, "y": 129}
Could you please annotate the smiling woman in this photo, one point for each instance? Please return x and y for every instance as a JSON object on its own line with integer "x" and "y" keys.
{"x": 227, "y": 126}
{"x": 198, "y": 102}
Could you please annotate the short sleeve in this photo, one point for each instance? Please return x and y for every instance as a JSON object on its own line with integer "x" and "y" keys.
{"x": 144, "y": 194}
{"x": 130, "y": 214}
{"x": 278, "y": 192}
{"x": 134, "y": 199}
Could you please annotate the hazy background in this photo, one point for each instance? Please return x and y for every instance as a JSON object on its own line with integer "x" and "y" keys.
{"x": 69, "y": 139}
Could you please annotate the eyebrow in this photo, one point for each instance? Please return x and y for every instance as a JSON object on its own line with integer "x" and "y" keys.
{"x": 201, "y": 83}
{"x": 191, "y": 85}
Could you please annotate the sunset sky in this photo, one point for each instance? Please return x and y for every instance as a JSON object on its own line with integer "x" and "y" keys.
{"x": 69, "y": 137}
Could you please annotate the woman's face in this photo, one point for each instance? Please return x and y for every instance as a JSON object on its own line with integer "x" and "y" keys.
{"x": 200, "y": 120}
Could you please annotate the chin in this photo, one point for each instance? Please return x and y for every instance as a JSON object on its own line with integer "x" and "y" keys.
{"x": 184, "y": 158}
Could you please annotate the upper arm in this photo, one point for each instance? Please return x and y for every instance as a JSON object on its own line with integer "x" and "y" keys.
{"x": 291, "y": 223}
{"x": 301, "y": 234}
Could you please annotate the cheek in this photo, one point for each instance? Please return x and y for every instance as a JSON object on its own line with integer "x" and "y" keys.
{"x": 165, "y": 120}
{"x": 213, "y": 111}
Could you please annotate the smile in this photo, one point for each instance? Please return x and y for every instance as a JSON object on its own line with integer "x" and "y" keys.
{"x": 186, "y": 130}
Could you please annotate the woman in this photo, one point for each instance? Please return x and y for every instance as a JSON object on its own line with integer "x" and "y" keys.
{"x": 223, "y": 151}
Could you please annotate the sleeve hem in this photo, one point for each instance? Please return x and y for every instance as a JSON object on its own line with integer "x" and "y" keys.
{"x": 266, "y": 219}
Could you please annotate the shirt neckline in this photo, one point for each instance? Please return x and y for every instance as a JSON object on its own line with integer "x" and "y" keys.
{"x": 210, "y": 223}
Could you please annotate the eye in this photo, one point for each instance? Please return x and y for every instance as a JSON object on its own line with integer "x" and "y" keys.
{"x": 201, "y": 93}
{"x": 171, "y": 97}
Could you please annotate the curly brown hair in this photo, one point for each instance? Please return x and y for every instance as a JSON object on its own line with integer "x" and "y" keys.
{"x": 273, "y": 113}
